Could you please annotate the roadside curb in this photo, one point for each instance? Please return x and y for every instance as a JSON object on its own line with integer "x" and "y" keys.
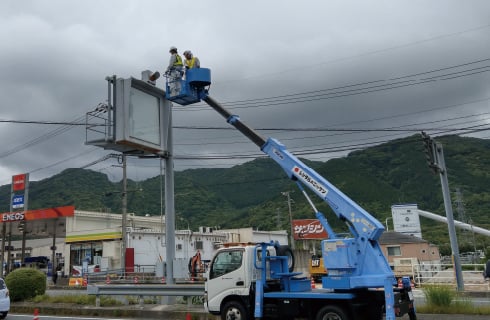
{"x": 146, "y": 312}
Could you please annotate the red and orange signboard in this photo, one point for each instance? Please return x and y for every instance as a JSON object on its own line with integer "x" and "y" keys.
{"x": 50, "y": 213}
{"x": 308, "y": 229}
{"x": 19, "y": 182}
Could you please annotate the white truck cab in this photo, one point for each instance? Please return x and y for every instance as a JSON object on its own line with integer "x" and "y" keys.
{"x": 235, "y": 269}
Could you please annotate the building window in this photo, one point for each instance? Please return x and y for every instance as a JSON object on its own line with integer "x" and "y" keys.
{"x": 179, "y": 246}
{"x": 198, "y": 245}
{"x": 394, "y": 251}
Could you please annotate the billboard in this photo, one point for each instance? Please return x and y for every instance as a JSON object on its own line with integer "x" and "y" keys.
{"x": 136, "y": 120}
{"x": 406, "y": 219}
{"x": 141, "y": 116}
{"x": 308, "y": 229}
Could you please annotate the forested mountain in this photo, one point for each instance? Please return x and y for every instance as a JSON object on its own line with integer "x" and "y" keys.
{"x": 251, "y": 194}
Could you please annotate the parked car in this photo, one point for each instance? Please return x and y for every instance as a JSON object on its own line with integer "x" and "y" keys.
{"x": 4, "y": 299}
{"x": 76, "y": 271}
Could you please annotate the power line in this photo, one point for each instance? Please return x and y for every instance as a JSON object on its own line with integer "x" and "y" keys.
{"x": 65, "y": 123}
{"x": 38, "y": 139}
{"x": 355, "y": 89}
{"x": 320, "y": 94}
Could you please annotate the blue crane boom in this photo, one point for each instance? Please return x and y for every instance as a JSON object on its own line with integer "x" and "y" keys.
{"x": 361, "y": 223}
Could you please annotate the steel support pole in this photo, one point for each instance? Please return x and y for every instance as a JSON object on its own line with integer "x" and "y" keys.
{"x": 53, "y": 249}
{"x": 449, "y": 214}
{"x": 2, "y": 258}
{"x": 124, "y": 217}
{"x": 169, "y": 213}
{"x": 169, "y": 204}
{"x": 9, "y": 251}
{"x": 24, "y": 231}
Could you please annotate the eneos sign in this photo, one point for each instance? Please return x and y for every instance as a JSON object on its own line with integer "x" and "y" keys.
{"x": 13, "y": 216}
{"x": 29, "y": 215}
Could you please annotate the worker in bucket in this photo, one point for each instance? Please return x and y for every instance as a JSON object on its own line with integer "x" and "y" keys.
{"x": 174, "y": 72}
{"x": 191, "y": 61}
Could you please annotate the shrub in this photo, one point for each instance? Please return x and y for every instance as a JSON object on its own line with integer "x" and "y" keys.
{"x": 25, "y": 283}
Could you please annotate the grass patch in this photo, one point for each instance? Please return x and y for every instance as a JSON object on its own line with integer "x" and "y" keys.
{"x": 458, "y": 307}
{"x": 445, "y": 300}
{"x": 439, "y": 296}
{"x": 80, "y": 299}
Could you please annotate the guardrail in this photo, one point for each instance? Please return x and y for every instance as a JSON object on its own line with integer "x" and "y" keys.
{"x": 435, "y": 274}
{"x": 141, "y": 290}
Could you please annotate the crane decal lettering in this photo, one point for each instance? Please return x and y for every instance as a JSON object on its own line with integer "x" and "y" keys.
{"x": 318, "y": 187}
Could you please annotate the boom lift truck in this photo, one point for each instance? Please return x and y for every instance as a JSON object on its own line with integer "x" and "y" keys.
{"x": 248, "y": 281}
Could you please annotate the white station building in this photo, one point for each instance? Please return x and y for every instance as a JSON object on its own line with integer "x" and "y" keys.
{"x": 96, "y": 237}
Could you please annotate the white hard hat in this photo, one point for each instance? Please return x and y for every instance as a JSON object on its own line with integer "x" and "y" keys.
{"x": 187, "y": 52}
{"x": 172, "y": 48}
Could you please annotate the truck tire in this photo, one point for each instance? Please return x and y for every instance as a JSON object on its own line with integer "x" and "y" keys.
{"x": 234, "y": 310}
{"x": 331, "y": 313}
{"x": 286, "y": 251}
{"x": 412, "y": 315}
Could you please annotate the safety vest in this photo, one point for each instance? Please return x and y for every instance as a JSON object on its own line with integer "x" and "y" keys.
{"x": 178, "y": 61}
{"x": 190, "y": 63}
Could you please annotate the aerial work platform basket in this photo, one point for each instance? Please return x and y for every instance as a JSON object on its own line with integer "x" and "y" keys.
{"x": 189, "y": 90}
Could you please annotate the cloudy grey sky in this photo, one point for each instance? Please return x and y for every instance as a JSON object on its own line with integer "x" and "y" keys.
{"x": 347, "y": 64}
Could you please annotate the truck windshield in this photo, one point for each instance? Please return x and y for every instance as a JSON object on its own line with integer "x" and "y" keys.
{"x": 225, "y": 262}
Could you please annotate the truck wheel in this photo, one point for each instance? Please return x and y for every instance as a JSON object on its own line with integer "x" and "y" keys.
{"x": 412, "y": 315}
{"x": 286, "y": 251}
{"x": 331, "y": 313}
{"x": 234, "y": 310}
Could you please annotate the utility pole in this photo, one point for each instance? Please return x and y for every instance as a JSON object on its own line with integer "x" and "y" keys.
{"x": 287, "y": 194}
{"x": 460, "y": 214}
{"x": 278, "y": 216}
{"x": 463, "y": 218}
{"x": 386, "y": 223}
{"x": 435, "y": 159}
{"x": 124, "y": 205}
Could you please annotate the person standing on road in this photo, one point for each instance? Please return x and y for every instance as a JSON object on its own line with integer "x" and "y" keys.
{"x": 55, "y": 276}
